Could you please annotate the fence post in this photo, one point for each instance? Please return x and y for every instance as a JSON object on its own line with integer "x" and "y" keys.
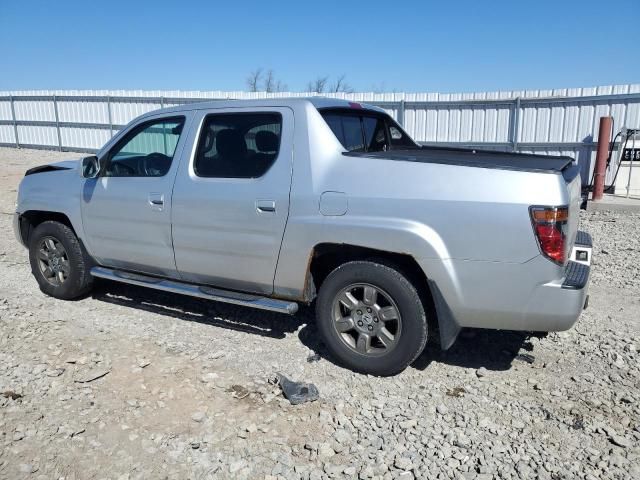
{"x": 599, "y": 173}
{"x": 109, "y": 113}
{"x": 401, "y": 113}
{"x": 515, "y": 124}
{"x": 55, "y": 110}
{"x": 14, "y": 120}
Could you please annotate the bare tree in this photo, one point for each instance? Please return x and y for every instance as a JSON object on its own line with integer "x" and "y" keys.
{"x": 271, "y": 84}
{"x": 259, "y": 81}
{"x": 318, "y": 85}
{"x": 253, "y": 80}
{"x": 341, "y": 85}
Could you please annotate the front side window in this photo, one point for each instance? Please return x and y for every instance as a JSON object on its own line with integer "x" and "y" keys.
{"x": 147, "y": 151}
{"x": 238, "y": 145}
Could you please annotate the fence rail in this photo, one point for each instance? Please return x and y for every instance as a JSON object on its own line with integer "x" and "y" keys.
{"x": 553, "y": 122}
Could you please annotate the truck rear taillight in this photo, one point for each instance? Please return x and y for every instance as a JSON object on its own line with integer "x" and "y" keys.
{"x": 549, "y": 225}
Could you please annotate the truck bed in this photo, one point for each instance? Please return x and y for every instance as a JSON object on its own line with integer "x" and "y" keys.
{"x": 475, "y": 158}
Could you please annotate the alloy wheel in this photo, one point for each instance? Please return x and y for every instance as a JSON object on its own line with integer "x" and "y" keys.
{"x": 367, "y": 319}
{"x": 53, "y": 261}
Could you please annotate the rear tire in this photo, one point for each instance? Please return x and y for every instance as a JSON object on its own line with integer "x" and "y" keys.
{"x": 371, "y": 318}
{"x": 59, "y": 262}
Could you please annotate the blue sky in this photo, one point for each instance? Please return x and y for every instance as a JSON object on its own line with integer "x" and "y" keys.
{"x": 445, "y": 46}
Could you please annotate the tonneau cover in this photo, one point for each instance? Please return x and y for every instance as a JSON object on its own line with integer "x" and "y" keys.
{"x": 475, "y": 158}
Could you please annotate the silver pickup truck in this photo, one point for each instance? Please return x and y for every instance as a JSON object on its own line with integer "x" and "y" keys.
{"x": 272, "y": 203}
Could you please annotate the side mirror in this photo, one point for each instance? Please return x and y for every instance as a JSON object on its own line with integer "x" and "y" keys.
{"x": 90, "y": 167}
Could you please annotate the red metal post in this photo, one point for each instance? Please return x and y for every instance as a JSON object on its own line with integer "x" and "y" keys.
{"x": 604, "y": 138}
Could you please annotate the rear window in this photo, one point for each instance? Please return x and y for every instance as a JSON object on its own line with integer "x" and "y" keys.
{"x": 375, "y": 134}
{"x": 366, "y": 131}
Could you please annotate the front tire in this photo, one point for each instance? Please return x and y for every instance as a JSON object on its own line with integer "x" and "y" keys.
{"x": 59, "y": 262}
{"x": 371, "y": 318}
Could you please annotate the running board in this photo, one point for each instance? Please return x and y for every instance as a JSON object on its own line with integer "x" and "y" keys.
{"x": 200, "y": 291}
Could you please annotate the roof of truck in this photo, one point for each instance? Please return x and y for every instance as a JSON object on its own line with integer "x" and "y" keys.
{"x": 318, "y": 102}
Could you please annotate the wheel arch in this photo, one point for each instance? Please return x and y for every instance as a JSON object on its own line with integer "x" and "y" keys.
{"x": 30, "y": 219}
{"x": 326, "y": 257}
{"x": 38, "y": 224}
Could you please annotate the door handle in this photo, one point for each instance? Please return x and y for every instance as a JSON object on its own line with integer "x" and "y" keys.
{"x": 266, "y": 206}
{"x": 156, "y": 200}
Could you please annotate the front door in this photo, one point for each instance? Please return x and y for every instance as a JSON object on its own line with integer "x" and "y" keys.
{"x": 231, "y": 198}
{"x": 126, "y": 210}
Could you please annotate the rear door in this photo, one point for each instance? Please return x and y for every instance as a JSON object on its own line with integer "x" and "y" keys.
{"x": 231, "y": 198}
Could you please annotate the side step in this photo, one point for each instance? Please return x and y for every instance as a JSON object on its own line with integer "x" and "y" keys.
{"x": 200, "y": 291}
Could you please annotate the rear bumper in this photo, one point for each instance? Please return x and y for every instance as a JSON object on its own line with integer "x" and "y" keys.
{"x": 577, "y": 276}
{"x": 556, "y": 306}
{"x": 537, "y": 295}
{"x": 582, "y": 248}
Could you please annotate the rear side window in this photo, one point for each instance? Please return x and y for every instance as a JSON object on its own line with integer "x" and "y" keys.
{"x": 347, "y": 129}
{"x": 238, "y": 145}
{"x": 366, "y": 131}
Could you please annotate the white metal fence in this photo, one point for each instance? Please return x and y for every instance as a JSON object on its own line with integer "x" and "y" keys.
{"x": 556, "y": 122}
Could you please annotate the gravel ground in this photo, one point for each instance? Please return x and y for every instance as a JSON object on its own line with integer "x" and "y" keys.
{"x": 130, "y": 383}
